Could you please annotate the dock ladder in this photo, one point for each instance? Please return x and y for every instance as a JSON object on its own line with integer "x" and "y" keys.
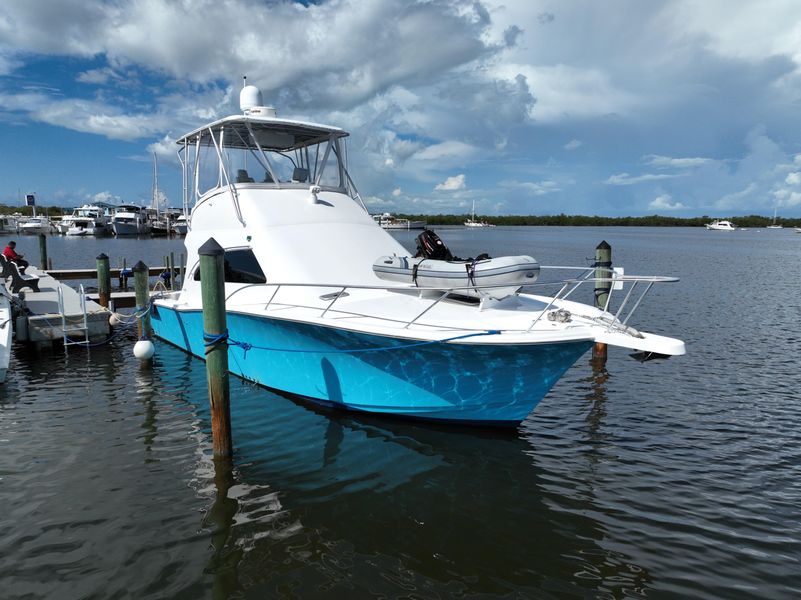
{"x": 63, "y": 313}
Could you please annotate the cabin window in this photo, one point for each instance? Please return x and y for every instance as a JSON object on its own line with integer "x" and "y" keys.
{"x": 241, "y": 266}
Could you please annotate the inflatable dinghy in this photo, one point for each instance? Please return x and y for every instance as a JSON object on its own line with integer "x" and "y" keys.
{"x": 516, "y": 271}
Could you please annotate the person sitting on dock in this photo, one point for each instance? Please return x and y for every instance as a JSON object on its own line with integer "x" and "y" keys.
{"x": 11, "y": 254}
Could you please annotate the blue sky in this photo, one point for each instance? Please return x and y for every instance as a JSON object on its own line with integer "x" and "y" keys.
{"x": 625, "y": 107}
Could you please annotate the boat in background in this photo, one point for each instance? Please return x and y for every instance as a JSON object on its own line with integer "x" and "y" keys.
{"x": 721, "y": 226}
{"x": 130, "y": 219}
{"x": 89, "y": 219}
{"x": 5, "y": 330}
{"x": 180, "y": 226}
{"x": 8, "y": 223}
{"x": 472, "y": 222}
{"x": 307, "y": 314}
{"x": 34, "y": 226}
{"x": 387, "y": 221}
{"x": 774, "y": 225}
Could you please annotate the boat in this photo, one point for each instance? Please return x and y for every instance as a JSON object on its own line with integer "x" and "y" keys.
{"x": 721, "y": 226}
{"x": 89, "y": 219}
{"x": 34, "y": 225}
{"x": 130, "y": 219}
{"x": 5, "y": 330}
{"x": 307, "y": 314}
{"x": 8, "y": 224}
{"x": 472, "y": 222}
{"x": 387, "y": 221}
{"x": 774, "y": 225}
{"x": 180, "y": 226}
{"x": 158, "y": 221}
{"x": 485, "y": 274}
{"x": 798, "y": 229}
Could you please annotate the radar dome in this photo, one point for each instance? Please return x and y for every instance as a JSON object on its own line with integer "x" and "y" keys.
{"x": 250, "y": 97}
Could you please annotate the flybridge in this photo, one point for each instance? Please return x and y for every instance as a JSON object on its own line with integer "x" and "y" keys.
{"x": 257, "y": 148}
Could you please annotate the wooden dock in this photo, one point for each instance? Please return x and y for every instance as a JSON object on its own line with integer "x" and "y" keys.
{"x": 44, "y": 322}
{"x": 64, "y": 274}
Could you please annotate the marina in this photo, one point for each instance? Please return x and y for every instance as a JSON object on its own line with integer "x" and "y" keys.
{"x": 670, "y": 478}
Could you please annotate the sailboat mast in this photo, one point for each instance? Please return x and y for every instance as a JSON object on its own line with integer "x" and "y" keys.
{"x": 155, "y": 200}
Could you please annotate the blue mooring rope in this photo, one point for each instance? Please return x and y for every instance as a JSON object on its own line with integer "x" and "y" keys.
{"x": 211, "y": 340}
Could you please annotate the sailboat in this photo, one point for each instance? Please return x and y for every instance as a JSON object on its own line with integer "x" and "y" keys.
{"x": 471, "y": 222}
{"x": 774, "y": 225}
{"x": 159, "y": 223}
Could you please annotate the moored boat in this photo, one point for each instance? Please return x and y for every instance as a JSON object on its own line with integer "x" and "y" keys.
{"x": 130, "y": 219}
{"x": 721, "y": 226}
{"x": 5, "y": 330}
{"x": 387, "y": 221}
{"x": 308, "y": 315}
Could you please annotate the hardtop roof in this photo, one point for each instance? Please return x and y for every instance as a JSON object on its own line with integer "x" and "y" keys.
{"x": 271, "y": 132}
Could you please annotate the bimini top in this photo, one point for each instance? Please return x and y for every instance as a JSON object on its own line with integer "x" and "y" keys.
{"x": 271, "y": 133}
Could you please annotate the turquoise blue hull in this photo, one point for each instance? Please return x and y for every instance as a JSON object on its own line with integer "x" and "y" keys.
{"x": 475, "y": 383}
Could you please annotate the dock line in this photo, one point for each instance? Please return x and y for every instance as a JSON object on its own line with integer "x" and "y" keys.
{"x": 212, "y": 340}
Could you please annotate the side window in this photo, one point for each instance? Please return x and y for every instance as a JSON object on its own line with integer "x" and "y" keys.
{"x": 241, "y": 266}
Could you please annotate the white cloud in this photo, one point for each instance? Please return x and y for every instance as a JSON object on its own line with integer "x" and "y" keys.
{"x": 626, "y": 179}
{"x": 573, "y": 144}
{"x": 793, "y": 178}
{"x": 655, "y": 160}
{"x": 457, "y": 182}
{"x": 663, "y": 202}
{"x": 396, "y": 192}
{"x": 534, "y": 188}
{"x": 448, "y": 150}
{"x": 567, "y": 92}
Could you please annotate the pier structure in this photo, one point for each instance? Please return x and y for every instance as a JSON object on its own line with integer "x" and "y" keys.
{"x": 58, "y": 312}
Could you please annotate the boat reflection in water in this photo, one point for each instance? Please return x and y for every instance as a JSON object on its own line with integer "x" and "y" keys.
{"x": 328, "y": 502}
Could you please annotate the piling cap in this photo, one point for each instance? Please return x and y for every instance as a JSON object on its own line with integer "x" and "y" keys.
{"x": 603, "y": 246}
{"x": 139, "y": 267}
{"x": 102, "y": 256}
{"x": 211, "y": 248}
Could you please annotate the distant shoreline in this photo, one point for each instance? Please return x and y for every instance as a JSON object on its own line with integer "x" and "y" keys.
{"x": 562, "y": 220}
{"x": 748, "y": 221}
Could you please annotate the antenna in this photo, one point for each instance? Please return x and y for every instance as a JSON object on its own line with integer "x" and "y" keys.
{"x": 244, "y": 81}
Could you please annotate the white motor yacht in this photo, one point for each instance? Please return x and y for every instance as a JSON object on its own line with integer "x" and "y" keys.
{"x": 89, "y": 219}
{"x": 34, "y": 225}
{"x": 721, "y": 226}
{"x": 387, "y": 221}
{"x": 310, "y": 314}
{"x": 130, "y": 219}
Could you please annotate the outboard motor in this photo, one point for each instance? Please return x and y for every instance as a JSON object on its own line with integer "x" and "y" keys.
{"x": 430, "y": 246}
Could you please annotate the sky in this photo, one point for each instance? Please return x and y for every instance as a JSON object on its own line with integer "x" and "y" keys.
{"x": 680, "y": 108}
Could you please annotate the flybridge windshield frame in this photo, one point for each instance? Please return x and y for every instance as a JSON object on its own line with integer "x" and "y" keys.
{"x": 220, "y": 154}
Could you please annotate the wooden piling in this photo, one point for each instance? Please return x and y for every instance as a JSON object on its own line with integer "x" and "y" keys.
{"x": 103, "y": 280}
{"x": 142, "y": 291}
{"x": 42, "y": 251}
{"x": 603, "y": 270}
{"x": 172, "y": 271}
{"x": 212, "y": 289}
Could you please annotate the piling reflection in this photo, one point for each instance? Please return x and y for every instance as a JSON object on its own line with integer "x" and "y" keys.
{"x": 596, "y": 396}
{"x": 219, "y": 519}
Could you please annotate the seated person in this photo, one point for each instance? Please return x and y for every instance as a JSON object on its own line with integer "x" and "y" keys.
{"x": 11, "y": 254}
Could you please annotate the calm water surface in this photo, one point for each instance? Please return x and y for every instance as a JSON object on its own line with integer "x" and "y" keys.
{"x": 669, "y": 479}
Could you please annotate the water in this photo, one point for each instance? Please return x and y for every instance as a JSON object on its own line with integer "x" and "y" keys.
{"x": 669, "y": 479}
